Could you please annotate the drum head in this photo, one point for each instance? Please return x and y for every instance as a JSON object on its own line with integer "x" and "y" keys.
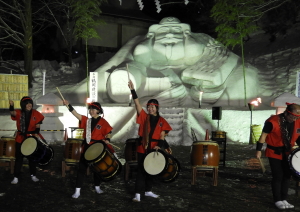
{"x": 154, "y": 163}
{"x": 28, "y": 146}
{"x": 295, "y": 159}
{"x": 94, "y": 151}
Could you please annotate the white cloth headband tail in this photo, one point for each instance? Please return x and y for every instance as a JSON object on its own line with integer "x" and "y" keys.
{"x": 88, "y": 131}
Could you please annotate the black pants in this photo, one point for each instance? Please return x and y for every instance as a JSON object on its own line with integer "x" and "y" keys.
{"x": 19, "y": 162}
{"x": 81, "y": 172}
{"x": 144, "y": 180}
{"x": 281, "y": 175}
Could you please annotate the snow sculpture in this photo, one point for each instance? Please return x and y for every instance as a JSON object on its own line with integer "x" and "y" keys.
{"x": 173, "y": 65}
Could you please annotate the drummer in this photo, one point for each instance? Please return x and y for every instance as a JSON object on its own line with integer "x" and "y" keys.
{"x": 280, "y": 132}
{"x": 152, "y": 131}
{"x": 95, "y": 129}
{"x": 28, "y": 123}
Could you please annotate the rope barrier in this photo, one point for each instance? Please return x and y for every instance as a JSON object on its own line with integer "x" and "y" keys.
{"x": 52, "y": 130}
{"x": 40, "y": 130}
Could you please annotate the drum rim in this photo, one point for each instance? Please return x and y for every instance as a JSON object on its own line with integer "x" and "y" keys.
{"x": 213, "y": 143}
{"x": 290, "y": 162}
{"x": 13, "y": 138}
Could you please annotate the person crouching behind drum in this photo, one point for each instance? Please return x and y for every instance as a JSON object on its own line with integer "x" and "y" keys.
{"x": 28, "y": 122}
{"x": 280, "y": 132}
{"x": 95, "y": 129}
{"x": 152, "y": 131}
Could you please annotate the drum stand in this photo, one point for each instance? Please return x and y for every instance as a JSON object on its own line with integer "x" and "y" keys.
{"x": 129, "y": 167}
{"x": 65, "y": 166}
{"x": 8, "y": 162}
{"x": 200, "y": 170}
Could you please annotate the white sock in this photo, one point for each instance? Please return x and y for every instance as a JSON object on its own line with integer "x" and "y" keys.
{"x": 280, "y": 205}
{"x": 15, "y": 180}
{"x": 34, "y": 178}
{"x": 77, "y": 193}
{"x": 137, "y": 198}
{"x": 98, "y": 190}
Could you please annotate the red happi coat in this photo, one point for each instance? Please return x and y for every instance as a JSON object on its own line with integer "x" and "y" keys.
{"x": 36, "y": 117}
{"x": 274, "y": 137}
{"x": 101, "y": 129}
{"x": 162, "y": 125}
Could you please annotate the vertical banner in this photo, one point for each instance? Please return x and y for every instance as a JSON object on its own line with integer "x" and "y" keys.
{"x": 298, "y": 85}
{"x": 94, "y": 86}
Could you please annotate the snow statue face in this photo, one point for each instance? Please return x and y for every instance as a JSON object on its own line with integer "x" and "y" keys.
{"x": 167, "y": 45}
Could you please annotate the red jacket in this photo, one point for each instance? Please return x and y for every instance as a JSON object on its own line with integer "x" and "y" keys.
{"x": 99, "y": 132}
{"x": 274, "y": 137}
{"x": 36, "y": 117}
{"x": 162, "y": 125}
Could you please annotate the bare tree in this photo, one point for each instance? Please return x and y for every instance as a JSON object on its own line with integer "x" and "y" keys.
{"x": 17, "y": 28}
{"x": 60, "y": 13}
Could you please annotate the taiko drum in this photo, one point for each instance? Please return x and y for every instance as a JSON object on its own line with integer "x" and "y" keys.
{"x": 205, "y": 154}
{"x": 130, "y": 150}
{"x": 7, "y": 147}
{"x": 218, "y": 134}
{"x": 73, "y": 150}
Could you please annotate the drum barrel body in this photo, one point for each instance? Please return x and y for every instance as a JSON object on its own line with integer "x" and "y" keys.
{"x": 72, "y": 151}
{"x": 7, "y": 147}
{"x": 102, "y": 161}
{"x": 205, "y": 154}
{"x": 172, "y": 170}
{"x": 218, "y": 134}
{"x": 162, "y": 165}
{"x": 35, "y": 149}
{"x": 130, "y": 150}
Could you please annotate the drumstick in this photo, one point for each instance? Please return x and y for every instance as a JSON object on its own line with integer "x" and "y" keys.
{"x": 61, "y": 96}
{"x": 262, "y": 166}
{"x": 127, "y": 71}
{"x": 115, "y": 146}
{"x": 8, "y": 93}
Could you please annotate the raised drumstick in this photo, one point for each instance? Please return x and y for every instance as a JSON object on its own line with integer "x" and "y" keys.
{"x": 61, "y": 96}
{"x": 127, "y": 71}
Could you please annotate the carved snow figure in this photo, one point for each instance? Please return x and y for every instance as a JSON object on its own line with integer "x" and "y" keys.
{"x": 173, "y": 65}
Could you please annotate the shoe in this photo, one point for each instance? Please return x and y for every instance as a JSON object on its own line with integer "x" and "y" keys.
{"x": 280, "y": 205}
{"x": 15, "y": 181}
{"x": 151, "y": 194}
{"x": 137, "y": 198}
{"x": 98, "y": 190}
{"x": 287, "y": 205}
{"x": 34, "y": 179}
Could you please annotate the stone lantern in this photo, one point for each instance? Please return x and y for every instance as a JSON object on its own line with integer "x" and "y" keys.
{"x": 52, "y": 128}
{"x": 280, "y": 101}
